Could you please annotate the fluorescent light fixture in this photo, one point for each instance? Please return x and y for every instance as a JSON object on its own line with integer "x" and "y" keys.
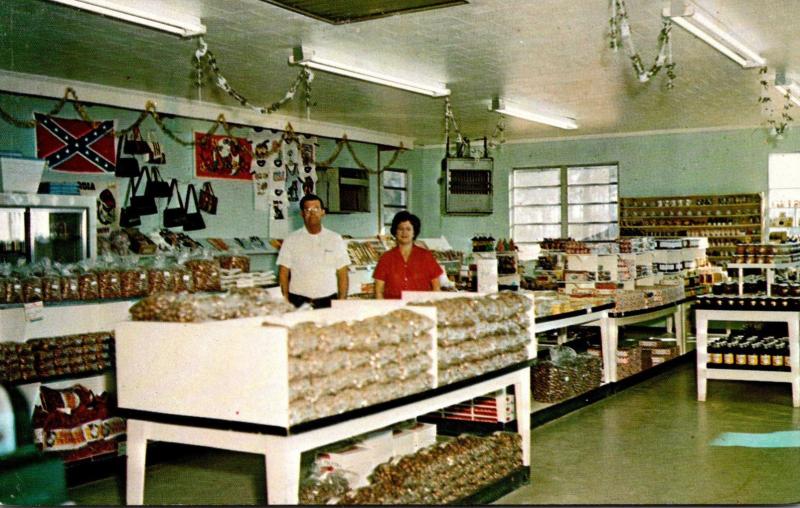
{"x": 562, "y": 122}
{"x": 305, "y": 56}
{"x": 689, "y": 17}
{"x": 167, "y": 19}
{"x": 787, "y": 86}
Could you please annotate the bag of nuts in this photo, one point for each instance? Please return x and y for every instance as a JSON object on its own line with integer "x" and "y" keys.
{"x": 132, "y": 278}
{"x": 159, "y": 276}
{"x": 206, "y": 274}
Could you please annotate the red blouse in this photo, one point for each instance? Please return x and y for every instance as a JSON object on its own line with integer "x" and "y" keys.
{"x": 399, "y": 275}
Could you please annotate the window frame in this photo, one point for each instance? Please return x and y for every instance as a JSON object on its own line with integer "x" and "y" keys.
{"x": 564, "y": 204}
{"x": 404, "y": 190}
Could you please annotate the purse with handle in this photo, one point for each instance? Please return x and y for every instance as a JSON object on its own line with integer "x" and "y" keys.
{"x": 174, "y": 217}
{"x": 156, "y": 186}
{"x": 134, "y": 144}
{"x": 144, "y": 204}
{"x": 126, "y": 166}
{"x": 208, "y": 201}
{"x": 128, "y": 216}
{"x": 194, "y": 220}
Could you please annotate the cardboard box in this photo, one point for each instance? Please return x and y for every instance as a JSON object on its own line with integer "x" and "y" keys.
{"x": 356, "y": 463}
{"x": 424, "y": 435}
{"x": 381, "y": 443}
{"x": 403, "y": 442}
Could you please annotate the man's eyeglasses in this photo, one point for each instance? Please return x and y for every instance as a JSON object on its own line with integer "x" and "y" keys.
{"x": 312, "y": 209}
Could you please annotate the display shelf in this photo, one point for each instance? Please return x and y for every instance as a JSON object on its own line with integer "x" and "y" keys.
{"x": 792, "y": 320}
{"x": 672, "y": 209}
{"x": 770, "y": 269}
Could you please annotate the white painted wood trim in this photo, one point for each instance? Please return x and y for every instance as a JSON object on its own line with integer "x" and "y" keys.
{"x": 46, "y": 86}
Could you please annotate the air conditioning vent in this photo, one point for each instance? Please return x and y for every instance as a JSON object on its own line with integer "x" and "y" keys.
{"x": 467, "y": 185}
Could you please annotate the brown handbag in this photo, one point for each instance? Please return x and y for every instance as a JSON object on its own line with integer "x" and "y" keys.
{"x": 208, "y": 201}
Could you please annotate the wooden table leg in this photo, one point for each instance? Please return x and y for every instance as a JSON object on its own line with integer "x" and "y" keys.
{"x": 137, "y": 452}
{"x": 522, "y": 395}
{"x": 282, "y": 461}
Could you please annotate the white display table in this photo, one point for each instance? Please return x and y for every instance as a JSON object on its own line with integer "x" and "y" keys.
{"x": 791, "y": 318}
{"x": 225, "y": 384}
{"x": 282, "y": 452}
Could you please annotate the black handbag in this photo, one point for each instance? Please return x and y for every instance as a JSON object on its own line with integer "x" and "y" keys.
{"x": 144, "y": 205}
{"x": 128, "y": 216}
{"x": 126, "y": 166}
{"x": 194, "y": 220}
{"x": 174, "y": 217}
{"x": 134, "y": 144}
{"x": 208, "y": 201}
{"x": 156, "y": 186}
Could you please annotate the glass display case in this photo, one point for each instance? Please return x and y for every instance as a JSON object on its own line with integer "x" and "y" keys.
{"x": 38, "y": 226}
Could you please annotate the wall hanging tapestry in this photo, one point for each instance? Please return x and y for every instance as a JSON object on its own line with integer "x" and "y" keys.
{"x": 220, "y": 156}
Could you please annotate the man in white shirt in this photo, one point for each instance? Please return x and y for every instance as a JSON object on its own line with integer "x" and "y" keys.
{"x": 313, "y": 261}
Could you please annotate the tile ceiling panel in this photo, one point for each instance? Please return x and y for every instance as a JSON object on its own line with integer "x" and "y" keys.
{"x": 548, "y": 53}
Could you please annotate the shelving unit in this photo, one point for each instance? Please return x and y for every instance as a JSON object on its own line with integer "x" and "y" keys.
{"x": 791, "y": 318}
{"x": 726, "y": 220}
{"x": 768, "y": 267}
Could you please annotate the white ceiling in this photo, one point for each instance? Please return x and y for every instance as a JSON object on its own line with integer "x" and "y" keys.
{"x": 550, "y": 53}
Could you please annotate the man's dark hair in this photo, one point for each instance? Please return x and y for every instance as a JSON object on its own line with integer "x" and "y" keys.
{"x": 404, "y": 216}
{"x": 311, "y": 197}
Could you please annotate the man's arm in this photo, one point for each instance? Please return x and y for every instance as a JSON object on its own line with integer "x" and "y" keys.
{"x": 379, "y": 286}
{"x": 284, "y": 274}
{"x": 342, "y": 282}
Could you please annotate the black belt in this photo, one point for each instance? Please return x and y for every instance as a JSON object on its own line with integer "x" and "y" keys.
{"x": 316, "y": 303}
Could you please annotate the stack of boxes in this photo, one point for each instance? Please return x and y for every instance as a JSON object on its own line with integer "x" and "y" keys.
{"x": 495, "y": 407}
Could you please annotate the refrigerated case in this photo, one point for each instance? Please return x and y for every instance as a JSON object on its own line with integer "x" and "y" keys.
{"x": 38, "y": 226}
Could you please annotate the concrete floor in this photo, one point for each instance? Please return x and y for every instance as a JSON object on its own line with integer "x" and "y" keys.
{"x": 649, "y": 444}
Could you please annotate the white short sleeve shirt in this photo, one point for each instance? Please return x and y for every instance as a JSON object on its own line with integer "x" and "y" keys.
{"x": 313, "y": 261}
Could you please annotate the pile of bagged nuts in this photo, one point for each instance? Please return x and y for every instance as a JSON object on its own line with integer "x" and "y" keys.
{"x": 553, "y": 381}
{"x": 56, "y": 356}
{"x": 193, "y": 308}
{"x": 343, "y": 366}
{"x": 443, "y": 473}
{"x": 478, "y": 335}
{"x": 205, "y": 273}
{"x": 113, "y": 279}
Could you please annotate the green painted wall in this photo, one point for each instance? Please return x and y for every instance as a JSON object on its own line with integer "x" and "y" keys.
{"x": 718, "y": 162}
{"x": 666, "y": 164}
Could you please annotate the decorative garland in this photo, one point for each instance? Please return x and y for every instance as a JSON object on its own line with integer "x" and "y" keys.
{"x": 204, "y": 56}
{"x": 289, "y": 135}
{"x": 620, "y": 34}
{"x": 777, "y": 126}
{"x": 344, "y": 142}
{"x": 29, "y": 124}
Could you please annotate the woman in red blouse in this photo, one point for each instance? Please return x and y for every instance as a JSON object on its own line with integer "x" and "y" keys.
{"x": 406, "y": 267}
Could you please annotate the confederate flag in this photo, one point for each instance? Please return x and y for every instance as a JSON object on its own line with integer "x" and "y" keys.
{"x": 76, "y": 146}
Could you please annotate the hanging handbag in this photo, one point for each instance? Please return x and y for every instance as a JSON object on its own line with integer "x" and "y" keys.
{"x": 174, "y": 217}
{"x": 155, "y": 154}
{"x": 134, "y": 144}
{"x": 156, "y": 186}
{"x": 126, "y": 167}
{"x": 194, "y": 220}
{"x": 128, "y": 216}
{"x": 144, "y": 205}
{"x": 208, "y": 201}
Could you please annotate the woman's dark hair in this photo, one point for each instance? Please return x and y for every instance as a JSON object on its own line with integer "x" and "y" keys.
{"x": 404, "y": 216}
{"x": 311, "y": 197}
